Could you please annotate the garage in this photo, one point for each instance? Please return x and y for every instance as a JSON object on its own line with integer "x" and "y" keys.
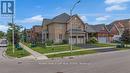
{"x": 102, "y": 39}
{"x": 79, "y": 40}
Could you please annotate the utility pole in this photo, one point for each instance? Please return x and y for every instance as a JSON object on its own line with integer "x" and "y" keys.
{"x": 71, "y": 33}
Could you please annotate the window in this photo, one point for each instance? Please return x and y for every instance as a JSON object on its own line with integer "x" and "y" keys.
{"x": 60, "y": 36}
{"x": 60, "y": 26}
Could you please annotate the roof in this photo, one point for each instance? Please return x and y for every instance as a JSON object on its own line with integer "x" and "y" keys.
{"x": 76, "y": 31}
{"x": 121, "y": 23}
{"x": 62, "y": 18}
{"x": 89, "y": 28}
{"x": 46, "y": 21}
{"x": 97, "y": 27}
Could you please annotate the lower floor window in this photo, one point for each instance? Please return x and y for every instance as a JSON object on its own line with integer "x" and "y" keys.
{"x": 60, "y": 36}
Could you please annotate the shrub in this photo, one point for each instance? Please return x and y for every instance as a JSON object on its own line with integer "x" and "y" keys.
{"x": 41, "y": 45}
{"x": 49, "y": 42}
{"x": 65, "y": 41}
{"x": 92, "y": 40}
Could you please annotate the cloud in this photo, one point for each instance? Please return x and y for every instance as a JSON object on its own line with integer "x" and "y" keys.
{"x": 115, "y": 7}
{"x": 3, "y": 28}
{"x": 102, "y": 18}
{"x": 116, "y": 1}
{"x": 84, "y": 18}
{"x": 37, "y": 18}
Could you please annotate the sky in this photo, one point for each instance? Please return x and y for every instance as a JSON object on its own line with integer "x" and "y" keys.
{"x": 32, "y": 12}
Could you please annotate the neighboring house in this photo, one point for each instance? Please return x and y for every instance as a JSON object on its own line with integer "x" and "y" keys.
{"x": 117, "y": 28}
{"x": 99, "y": 31}
{"x": 34, "y": 34}
{"x": 58, "y": 29}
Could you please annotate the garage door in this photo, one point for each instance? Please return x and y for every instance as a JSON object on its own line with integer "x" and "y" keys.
{"x": 80, "y": 40}
{"x": 102, "y": 40}
{"x": 73, "y": 40}
{"x": 77, "y": 41}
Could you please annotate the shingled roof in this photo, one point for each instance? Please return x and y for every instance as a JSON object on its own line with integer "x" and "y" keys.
{"x": 124, "y": 22}
{"x": 89, "y": 28}
{"x": 62, "y": 18}
{"x": 98, "y": 27}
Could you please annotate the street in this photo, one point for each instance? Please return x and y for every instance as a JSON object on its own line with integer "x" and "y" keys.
{"x": 109, "y": 62}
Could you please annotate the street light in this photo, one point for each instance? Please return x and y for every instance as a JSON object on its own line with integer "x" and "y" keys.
{"x": 71, "y": 10}
{"x": 13, "y": 31}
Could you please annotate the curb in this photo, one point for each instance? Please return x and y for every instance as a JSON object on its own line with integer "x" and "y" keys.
{"x": 7, "y": 56}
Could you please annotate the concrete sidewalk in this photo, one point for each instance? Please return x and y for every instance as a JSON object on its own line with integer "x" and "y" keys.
{"x": 78, "y": 50}
{"x": 35, "y": 54}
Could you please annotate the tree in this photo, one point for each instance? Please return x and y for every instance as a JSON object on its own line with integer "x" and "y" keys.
{"x": 24, "y": 36}
{"x": 125, "y": 38}
{"x": 1, "y": 34}
{"x": 16, "y": 29}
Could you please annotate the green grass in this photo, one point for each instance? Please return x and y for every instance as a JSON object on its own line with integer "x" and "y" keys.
{"x": 73, "y": 54}
{"x": 103, "y": 45}
{"x": 17, "y": 53}
{"x": 54, "y": 49}
{"x": 122, "y": 48}
{"x": 79, "y": 53}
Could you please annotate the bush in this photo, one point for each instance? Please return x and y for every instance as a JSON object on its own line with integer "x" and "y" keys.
{"x": 116, "y": 41}
{"x": 65, "y": 41}
{"x": 41, "y": 45}
{"x": 92, "y": 40}
{"x": 49, "y": 42}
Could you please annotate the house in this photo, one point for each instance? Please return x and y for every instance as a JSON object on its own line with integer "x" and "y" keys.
{"x": 117, "y": 28}
{"x": 59, "y": 29}
{"x": 34, "y": 34}
{"x": 99, "y": 31}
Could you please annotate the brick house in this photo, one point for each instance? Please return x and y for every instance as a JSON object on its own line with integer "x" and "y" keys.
{"x": 58, "y": 29}
{"x": 117, "y": 28}
{"x": 34, "y": 34}
{"x": 99, "y": 31}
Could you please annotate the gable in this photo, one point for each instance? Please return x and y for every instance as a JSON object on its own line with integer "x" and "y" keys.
{"x": 76, "y": 23}
{"x": 114, "y": 30}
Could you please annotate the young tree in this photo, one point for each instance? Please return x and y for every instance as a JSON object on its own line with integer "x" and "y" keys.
{"x": 1, "y": 34}
{"x": 126, "y": 36}
{"x": 16, "y": 29}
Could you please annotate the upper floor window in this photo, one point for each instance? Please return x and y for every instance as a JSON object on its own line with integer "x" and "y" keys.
{"x": 60, "y": 26}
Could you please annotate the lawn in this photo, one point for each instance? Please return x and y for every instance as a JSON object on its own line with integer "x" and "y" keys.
{"x": 103, "y": 45}
{"x": 72, "y": 54}
{"x": 59, "y": 48}
{"x": 17, "y": 53}
{"x": 54, "y": 49}
{"x": 80, "y": 53}
{"x": 122, "y": 48}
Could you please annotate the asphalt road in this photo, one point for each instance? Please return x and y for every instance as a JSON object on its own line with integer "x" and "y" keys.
{"x": 108, "y": 62}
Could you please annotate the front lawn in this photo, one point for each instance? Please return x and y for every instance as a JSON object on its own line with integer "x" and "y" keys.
{"x": 17, "y": 53}
{"x": 103, "y": 45}
{"x": 82, "y": 53}
{"x": 55, "y": 48}
{"x": 123, "y": 48}
{"x": 71, "y": 54}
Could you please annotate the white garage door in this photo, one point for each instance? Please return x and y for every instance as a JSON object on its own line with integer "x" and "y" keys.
{"x": 73, "y": 41}
{"x": 80, "y": 40}
{"x": 76, "y": 41}
{"x": 102, "y": 39}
